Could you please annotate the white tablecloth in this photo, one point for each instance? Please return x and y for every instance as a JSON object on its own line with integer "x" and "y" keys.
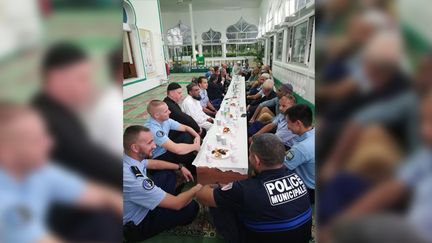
{"x": 236, "y": 140}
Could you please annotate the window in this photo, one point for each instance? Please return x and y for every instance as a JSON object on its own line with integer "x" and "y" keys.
{"x": 310, "y": 36}
{"x": 212, "y": 50}
{"x": 179, "y": 35}
{"x": 241, "y": 32}
{"x": 289, "y": 44}
{"x": 239, "y": 50}
{"x": 211, "y": 36}
{"x": 300, "y": 40}
{"x": 279, "y": 43}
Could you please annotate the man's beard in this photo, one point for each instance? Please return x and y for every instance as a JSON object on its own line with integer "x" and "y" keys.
{"x": 197, "y": 97}
{"x": 144, "y": 156}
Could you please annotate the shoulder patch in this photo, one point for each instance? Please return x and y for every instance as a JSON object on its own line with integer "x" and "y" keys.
{"x": 148, "y": 184}
{"x": 227, "y": 187}
{"x": 289, "y": 155}
{"x": 136, "y": 171}
{"x": 160, "y": 133}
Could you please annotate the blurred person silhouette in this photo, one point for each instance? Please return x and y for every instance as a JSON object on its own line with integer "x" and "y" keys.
{"x": 343, "y": 75}
{"x": 104, "y": 119}
{"x": 30, "y": 182}
{"x": 412, "y": 181}
{"x": 382, "y": 228}
{"x": 381, "y": 61}
{"x": 391, "y": 113}
{"x": 67, "y": 88}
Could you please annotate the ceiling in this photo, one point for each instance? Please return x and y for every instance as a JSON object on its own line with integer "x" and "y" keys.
{"x": 200, "y": 5}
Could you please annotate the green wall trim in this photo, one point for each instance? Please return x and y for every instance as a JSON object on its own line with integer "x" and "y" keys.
{"x": 299, "y": 99}
{"x": 134, "y": 82}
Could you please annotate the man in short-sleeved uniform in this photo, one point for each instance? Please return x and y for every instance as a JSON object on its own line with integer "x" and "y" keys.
{"x": 160, "y": 125}
{"x": 273, "y": 206}
{"x": 301, "y": 156}
{"x": 30, "y": 183}
{"x": 150, "y": 204}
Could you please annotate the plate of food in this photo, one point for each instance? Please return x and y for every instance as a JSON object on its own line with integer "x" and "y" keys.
{"x": 226, "y": 130}
{"x": 220, "y": 153}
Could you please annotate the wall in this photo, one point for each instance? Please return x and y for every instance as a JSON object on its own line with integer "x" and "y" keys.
{"x": 218, "y": 20}
{"x": 148, "y": 18}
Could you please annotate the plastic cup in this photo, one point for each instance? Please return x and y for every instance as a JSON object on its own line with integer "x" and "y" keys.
{"x": 224, "y": 140}
{"x": 218, "y": 137}
{"x": 219, "y": 122}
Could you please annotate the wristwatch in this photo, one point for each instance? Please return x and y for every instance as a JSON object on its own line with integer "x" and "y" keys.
{"x": 180, "y": 166}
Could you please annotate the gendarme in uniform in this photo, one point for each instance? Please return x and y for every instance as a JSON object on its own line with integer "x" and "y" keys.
{"x": 24, "y": 204}
{"x": 140, "y": 194}
{"x": 301, "y": 158}
{"x": 160, "y": 132}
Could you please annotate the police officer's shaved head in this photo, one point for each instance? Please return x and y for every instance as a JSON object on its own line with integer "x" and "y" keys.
{"x": 269, "y": 149}
{"x": 24, "y": 139}
{"x": 130, "y": 135}
{"x": 153, "y": 106}
{"x": 9, "y": 114}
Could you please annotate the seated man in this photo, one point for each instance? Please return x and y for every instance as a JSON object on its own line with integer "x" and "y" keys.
{"x": 174, "y": 97}
{"x": 191, "y": 105}
{"x": 301, "y": 156}
{"x": 257, "y": 86}
{"x": 207, "y": 106}
{"x": 267, "y": 94}
{"x": 215, "y": 91}
{"x": 209, "y": 72}
{"x": 30, "y": 183}
{"x": 265, "y": 109}
{"x": 279, "y": 123}
{"x": 160, "y": 125}
{"x": 271, "y": 207}
{"x": 150, "y": 204}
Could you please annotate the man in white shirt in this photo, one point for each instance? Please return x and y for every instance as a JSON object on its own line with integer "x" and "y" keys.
{"x": 104, "y": 118}
{"x": 191, "y": 105}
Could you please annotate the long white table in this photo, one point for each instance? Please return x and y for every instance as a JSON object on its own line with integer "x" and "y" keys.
{"x": 232, "y": 107}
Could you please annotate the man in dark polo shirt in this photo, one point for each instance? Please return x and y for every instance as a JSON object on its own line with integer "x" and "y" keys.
{"x": 174, "y": 96}
{"x": 273, "y": 206}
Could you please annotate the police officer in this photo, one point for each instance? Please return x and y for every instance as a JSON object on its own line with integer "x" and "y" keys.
{"x": 150, "y": 204}
{"x": 301, "y": 156}
{"x": 179, "y": 151}
{"x": 271, "y": 207}
{"x": 29, "y": 183}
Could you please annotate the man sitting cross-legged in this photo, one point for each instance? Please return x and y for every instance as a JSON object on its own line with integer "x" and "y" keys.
{"x": 180, "y": 151}
{"x": 151, "y": 204}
